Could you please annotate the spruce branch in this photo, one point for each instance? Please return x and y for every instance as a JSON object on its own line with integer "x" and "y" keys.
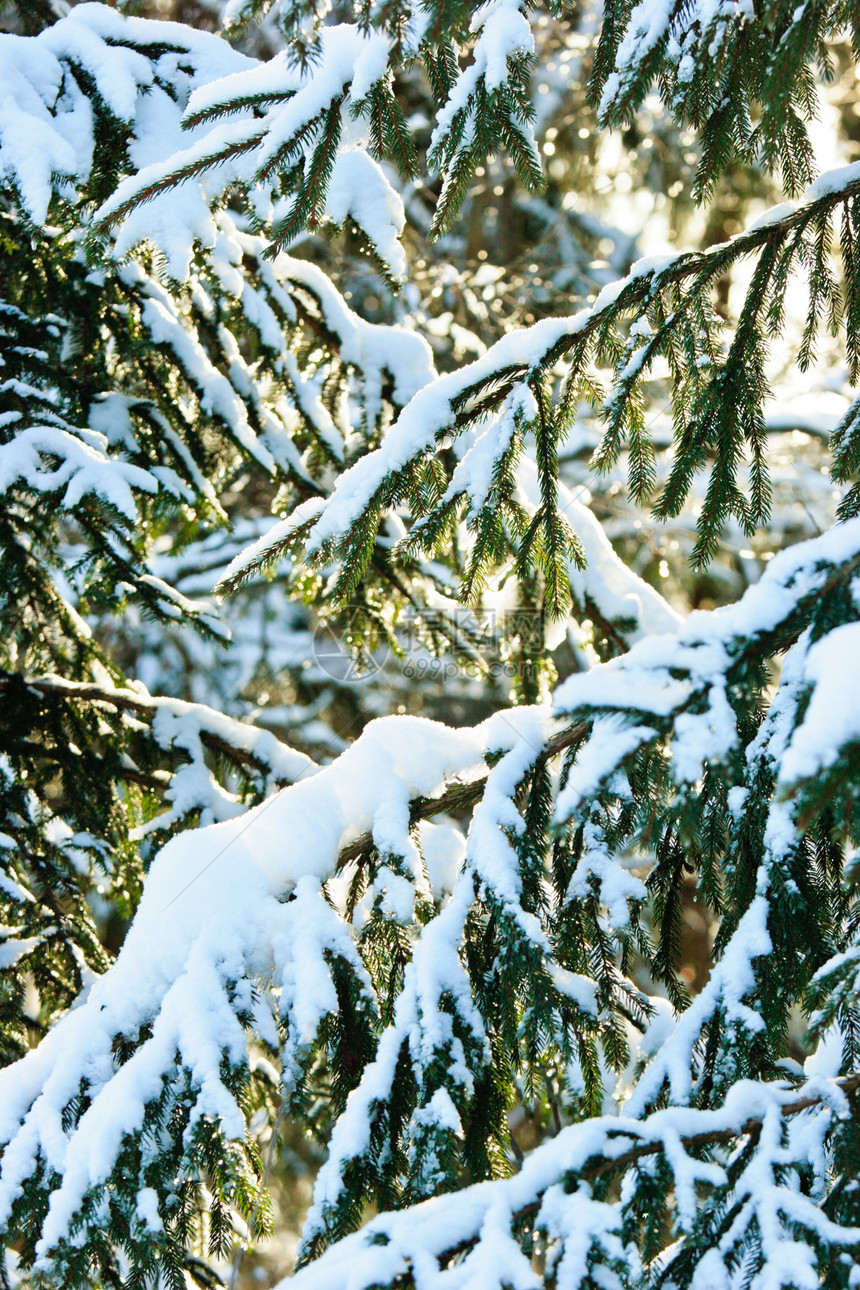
{"x": 459, "y": 797}
{"x": 219, "y": 740}
{"x": 574, "y": 1162}
{"x": 726, "y": 418}
{"x": 609, "y": 1162}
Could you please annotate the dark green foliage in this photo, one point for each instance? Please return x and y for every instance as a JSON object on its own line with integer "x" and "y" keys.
{"x": 746, "y": 84}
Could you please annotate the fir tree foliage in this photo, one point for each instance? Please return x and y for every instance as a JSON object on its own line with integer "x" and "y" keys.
{"x": 746, "y": 82}
{"x": 308, "y": 137}
{"x": 318, "y": 942}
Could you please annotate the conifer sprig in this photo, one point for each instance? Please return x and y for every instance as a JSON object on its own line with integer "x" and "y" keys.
{"x": 745, "y": 84}
{"x": 717, "y": 405}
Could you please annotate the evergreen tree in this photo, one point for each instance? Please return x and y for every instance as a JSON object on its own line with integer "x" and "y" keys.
{"x": 391, "y": 943}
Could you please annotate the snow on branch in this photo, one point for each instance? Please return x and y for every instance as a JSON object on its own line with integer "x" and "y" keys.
{"x": 597, "y": 576}
{"x": 72, "y": 463}
{"x": 678, "y": 690}
{"x": 309, "y": 128}
{"x": 436, "y": 1019}
{"x": 46, "y": 123}
{"x": 384, "y": 364}
{"x": 327, "y": 122}
{"x": 719, "y": 394}
{"x": 750, "y": 95}
{"x": 475, "y": 1236}
{"x": 480, "y": 99}
{"x": 192, "y": 729}
{"x": 663, "y": 678}
{"x": 215, "y": 922}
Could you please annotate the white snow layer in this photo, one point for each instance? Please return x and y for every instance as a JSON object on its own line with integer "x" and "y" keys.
{"x": 413, "y": 1241}
{"x": 249, "y": 149}
{"x": 47, "y": 458}
{"x": 661, "y": 675}
{"x": 214, "y": 909}
{"x": 46, "y": 119}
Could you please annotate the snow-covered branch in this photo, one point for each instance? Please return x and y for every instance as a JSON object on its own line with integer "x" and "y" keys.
{"x": 476, "y": 1235}
{"x": 259, "y": 748}
{"x": 487, "y": 389}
